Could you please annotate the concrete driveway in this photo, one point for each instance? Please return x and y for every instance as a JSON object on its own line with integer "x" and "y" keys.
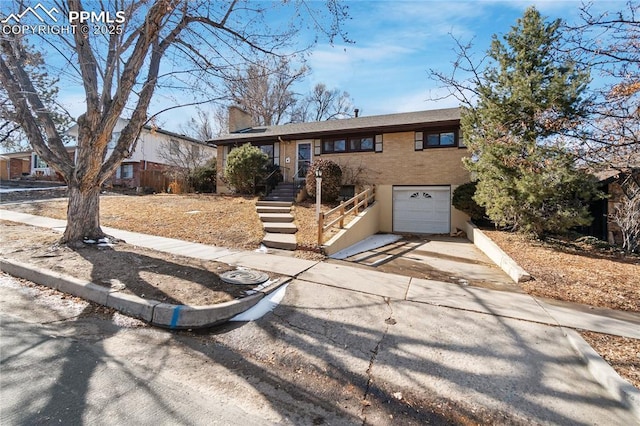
{"x": 441, "y": 258}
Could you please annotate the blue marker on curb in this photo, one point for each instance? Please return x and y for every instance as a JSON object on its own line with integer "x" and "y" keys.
{"x": 176, "y": 316}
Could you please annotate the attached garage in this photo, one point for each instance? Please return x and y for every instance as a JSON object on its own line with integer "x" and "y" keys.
{"x": 422, "y": 209}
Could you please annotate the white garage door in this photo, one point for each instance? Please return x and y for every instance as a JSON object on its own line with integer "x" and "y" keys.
{"x": 421, "y": 209}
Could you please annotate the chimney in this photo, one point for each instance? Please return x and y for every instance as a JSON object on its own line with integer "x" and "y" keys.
{"x": 239, "y": 119}
{"x": 356, "y": 111}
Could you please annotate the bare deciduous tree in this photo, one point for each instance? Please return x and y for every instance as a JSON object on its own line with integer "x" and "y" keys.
{"x": 12, "y": 137}
{"x": 626, "y": 214}
{"x": 609, "y": 44}
{"x": 182, "y": 157}
{"x": 204, "y": 126}
{"x": 121, "y": 70}
{"x": 324, "y": 104}
{"x": 265, "y": 90}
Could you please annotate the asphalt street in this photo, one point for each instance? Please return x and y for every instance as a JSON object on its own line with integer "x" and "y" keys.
{"x": 325, "y": 356}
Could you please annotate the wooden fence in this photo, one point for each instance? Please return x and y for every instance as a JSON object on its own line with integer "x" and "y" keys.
{"x": 160, "y": 182}
{"x": 360, "y": 202}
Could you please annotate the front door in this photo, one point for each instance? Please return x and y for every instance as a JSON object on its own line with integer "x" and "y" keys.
{"x": 303, "y": 159}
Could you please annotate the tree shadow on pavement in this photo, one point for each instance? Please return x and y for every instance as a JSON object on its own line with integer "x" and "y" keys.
{"x": 371, "y": 360}
{"x": 330, "y": 356}
{"x": 73, "y": 378}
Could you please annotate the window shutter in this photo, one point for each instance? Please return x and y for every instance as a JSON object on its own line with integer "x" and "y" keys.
{"x": 317, "y": 147}
{"x": 378, "y": 147}
{"x": 418, "y": 141}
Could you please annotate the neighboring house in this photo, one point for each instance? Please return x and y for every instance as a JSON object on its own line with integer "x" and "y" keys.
{"x": 22, "y": 164}
{"x": 155, "y": 150}
{"x": 15, "y": 165}
{"x": 615, "y": 184}
{"x": 414, "y": 160}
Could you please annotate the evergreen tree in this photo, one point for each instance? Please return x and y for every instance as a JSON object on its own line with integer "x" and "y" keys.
{"x": 527, "y": 101}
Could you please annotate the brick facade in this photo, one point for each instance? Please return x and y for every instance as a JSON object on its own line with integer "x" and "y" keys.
{"x": 400, "y": 164}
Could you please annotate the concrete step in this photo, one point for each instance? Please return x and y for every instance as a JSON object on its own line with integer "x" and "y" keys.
{"x": 282, "y": 199}
{"x": 281, "y": 193}
{"x": 280, "y": 227}
{"x": 280, "y": 241}
{"x": 275, "y": 217}
{"x": 273, "y": 209}
{"x": 265, "y": 203}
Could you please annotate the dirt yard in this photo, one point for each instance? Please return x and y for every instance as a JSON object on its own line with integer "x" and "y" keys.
{"x": 562, "y": 270}
{"x": 133, "y": 270}
{"x": 575, "y": 272}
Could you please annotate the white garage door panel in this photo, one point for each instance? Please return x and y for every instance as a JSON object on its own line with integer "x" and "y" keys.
{"x": 422, "y": 209}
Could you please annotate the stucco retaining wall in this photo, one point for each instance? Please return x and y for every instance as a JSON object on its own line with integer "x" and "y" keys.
{"x": 364, "y": 225}
{"x": 496, "y": 254}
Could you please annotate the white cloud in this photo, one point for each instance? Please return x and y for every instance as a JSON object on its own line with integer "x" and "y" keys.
{"x": 337, "y": 66}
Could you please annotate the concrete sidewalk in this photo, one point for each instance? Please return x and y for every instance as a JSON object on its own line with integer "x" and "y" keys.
{"x": 468, "y": 298}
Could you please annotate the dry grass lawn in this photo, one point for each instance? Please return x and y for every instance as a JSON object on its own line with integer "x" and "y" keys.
{"x": 575, "y": 272}
{"x": 219, "y": 220}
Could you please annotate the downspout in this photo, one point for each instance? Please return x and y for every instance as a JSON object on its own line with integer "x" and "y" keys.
{"x": 285, "y": 168}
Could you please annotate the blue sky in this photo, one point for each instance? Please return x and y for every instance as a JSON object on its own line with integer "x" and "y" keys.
{"x": 397, "y": 42}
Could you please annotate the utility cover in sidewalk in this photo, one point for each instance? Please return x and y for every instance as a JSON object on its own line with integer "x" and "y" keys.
{"x": 244, "y": 276}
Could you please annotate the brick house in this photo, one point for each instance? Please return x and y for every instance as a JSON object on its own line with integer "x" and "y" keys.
{"x": 16, "y": 165}
{"x": 414, "y": 160}
{"x": 617, "y": 185}
{"x": 155, "y": 150}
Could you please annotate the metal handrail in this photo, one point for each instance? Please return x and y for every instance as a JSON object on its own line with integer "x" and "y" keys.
{"x": 265, "y": 180}
{"x": 274, "y": 170}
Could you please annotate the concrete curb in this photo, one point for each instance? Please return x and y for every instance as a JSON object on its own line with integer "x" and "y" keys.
{"x": 622, "y": 390}
{"x": 152, "y": 311}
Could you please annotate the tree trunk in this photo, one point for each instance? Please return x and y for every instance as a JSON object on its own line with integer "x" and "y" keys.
{"x": 83, "y": 214}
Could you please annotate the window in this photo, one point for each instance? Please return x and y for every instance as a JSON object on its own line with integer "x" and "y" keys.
{"x": 38, "y": 163}
{"x": 361, "y": 144}
{"x": 434, "y": 139}
{"x": 336, "y": 145}
{"x": 174, "y": 148}
{"x": 348, "y": 144}
{"x": 195, "y": 152}
{"x": 125, "y": 171}
{"x": 268, "y": 149}
{"x": 114, "y": 140}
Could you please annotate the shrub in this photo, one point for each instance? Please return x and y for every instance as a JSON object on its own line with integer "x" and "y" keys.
{"x": 245, "y": 168}
{"x": 463, "y": 201}
{"x": 203, "y": 178}
{"x": 331, "y": 179}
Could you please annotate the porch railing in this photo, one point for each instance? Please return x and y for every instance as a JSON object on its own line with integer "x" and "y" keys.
{"x": 353, "y": 205}
{"x": 271, "y": 180}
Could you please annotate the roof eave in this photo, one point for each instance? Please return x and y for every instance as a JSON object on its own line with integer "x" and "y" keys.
{"x": 256, "y": 137}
